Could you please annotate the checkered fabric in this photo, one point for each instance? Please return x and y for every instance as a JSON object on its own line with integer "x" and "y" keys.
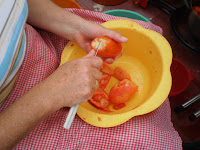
{"x": 152, "y": 131}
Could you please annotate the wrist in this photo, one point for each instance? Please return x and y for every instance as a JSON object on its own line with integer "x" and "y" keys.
{"x": 39, "y": 101}
{"x": 45, "y": 98}
{"x": 70, "y": 26}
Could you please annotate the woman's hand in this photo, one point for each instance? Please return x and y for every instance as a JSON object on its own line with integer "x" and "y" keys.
{"x": 89, "y": 30}
{"x": 73, "y": 82}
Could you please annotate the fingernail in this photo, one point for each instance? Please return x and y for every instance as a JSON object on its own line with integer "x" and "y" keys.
{"x": 124, "y": 38}
{"x": 110, "y": 61}
{"x": 92, "y": 51}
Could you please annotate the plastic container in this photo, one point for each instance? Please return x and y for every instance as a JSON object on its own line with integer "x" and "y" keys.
{"x": 127, "y": 14}
{"x": 181, "y": 77}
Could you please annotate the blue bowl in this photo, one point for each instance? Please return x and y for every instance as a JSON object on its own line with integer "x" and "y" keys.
{"x": 127, "y": 14}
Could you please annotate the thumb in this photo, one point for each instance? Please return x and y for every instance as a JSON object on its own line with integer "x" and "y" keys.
{"x": 117, "y": 36}
{"x": 91, "y": 53}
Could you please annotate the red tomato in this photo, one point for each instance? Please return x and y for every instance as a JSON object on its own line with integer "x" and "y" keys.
{"x": 103, "y": 82}
{"x": 197, "y": 10}
{"x": 106, "y": 68}
{"x": 100, "y": 98}
{"x": 109, "y": 48}
{"x": 121, "y": 74}
{"x": 122, "y": 91}
{"x": 119, "y": 106}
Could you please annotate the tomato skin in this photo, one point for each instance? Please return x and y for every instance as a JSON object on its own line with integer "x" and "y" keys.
{"x": 121, "y": 74}
{"x": 106, "y": 68}
{"x": 103, "y": 82}
{"x": 109, "y": 48}
{"x": 122, "y": 91}
{"x": 119, "y": 106}
{"x": 100, "y": 98}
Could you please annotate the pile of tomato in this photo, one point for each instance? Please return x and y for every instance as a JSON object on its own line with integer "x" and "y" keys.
{"x": 120, "y": 92}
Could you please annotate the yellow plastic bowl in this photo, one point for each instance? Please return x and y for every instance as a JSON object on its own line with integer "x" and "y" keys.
{"x": 147, "y": 57}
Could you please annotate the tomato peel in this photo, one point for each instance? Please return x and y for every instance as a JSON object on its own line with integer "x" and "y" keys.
{"x": 122, "y": 91}
{"x": 121, "y": 74}
{"x": 103, "y": 82}
{"x": 119, "y": 106}
{"x": 106, "y": 68}
{"x": 100, "y": 98}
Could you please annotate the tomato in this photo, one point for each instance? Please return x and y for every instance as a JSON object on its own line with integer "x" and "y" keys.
{"x": 122, "y": 91}
{"x": 103, "y": 82}
{"x": 119, "y": 106}
{"x": 121, "y": 74}
{"x": 197, "y": 10}
{"x": 100, "y": 98}
{"x": 106, "y": 68}
{"x": 109, "y": 48}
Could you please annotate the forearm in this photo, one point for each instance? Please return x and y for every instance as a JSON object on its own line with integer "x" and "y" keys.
{"x": 22, "y": 117}
{"x": 48, "y": 16}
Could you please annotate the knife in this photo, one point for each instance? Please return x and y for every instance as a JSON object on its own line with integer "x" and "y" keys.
{"x": 97, "y": 48}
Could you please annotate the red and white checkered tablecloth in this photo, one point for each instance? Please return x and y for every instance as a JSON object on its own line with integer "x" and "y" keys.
{"x": 151, "y": 131}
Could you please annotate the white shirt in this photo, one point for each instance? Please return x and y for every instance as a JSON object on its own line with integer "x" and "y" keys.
{"x": 13, "y": 15}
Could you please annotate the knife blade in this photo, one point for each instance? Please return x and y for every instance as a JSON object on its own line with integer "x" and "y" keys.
{"x": 97, "y": 49}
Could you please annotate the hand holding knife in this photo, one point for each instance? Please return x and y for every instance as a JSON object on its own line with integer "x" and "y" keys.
{"x": 73, "y": 110}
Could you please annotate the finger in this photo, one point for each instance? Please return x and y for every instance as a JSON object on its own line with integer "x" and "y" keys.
{"x": 116, "y": 36}
{"x": 118, "y": 56}
{"x": 96, "y": 85}
{"x": 91, "y": 53}
{"x": 94, "y": 61}
{"x": 109, "y": 60}
{"x": 87, "y": 47}
{"x": 96, "y": 74}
